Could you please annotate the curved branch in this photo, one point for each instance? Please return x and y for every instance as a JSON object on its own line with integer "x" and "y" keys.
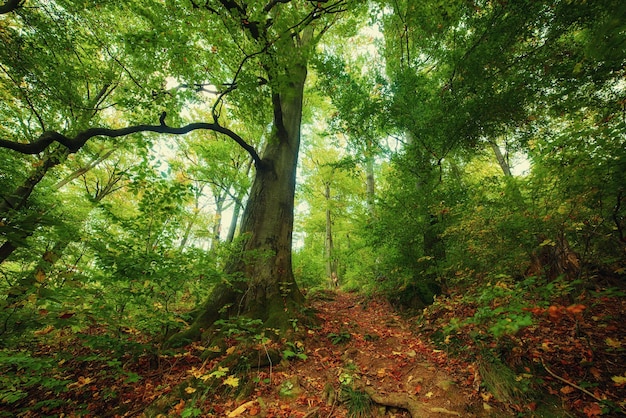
{"x": 10, "y": 6}
{"x": 270, "y": 5}
{"x": 76, "y": 143}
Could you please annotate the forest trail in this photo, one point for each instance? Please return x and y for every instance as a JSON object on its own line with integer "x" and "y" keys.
{"x": 365, "y": 340}
{"x": 360, "y": 345}
{"x": 363, "y": 343}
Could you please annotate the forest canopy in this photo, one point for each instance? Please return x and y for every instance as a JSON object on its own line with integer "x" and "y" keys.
{"x": 173, "y": 169}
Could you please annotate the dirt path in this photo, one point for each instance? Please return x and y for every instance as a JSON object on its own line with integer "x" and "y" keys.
{"x": 361, "y": 346}
{"x": 363, "y": 343}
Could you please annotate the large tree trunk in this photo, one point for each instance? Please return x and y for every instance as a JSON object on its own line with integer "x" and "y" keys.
{"x": 261, "y": 283}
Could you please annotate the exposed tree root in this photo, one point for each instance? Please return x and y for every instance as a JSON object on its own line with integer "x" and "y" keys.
{"x": 404, "y": 401}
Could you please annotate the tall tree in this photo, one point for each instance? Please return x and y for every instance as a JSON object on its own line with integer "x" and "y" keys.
{"x": 527, "y": 70}
{"x": 283, "y": 36}
{"x": 246, "y": 56}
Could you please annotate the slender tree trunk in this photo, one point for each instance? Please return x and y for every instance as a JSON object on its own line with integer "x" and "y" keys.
{"x": 39, "y": 275}
{"x": 328, "y": 242}
{"x": 217, "y": 222}
{"x": 85, "y": 169}
{"x": 188, "y": 228}
{"x": 370, "y": 186}
{"x": 232, "y": 229}
{"x": 502, "y": 161}
{"x": 237, "y": 209}
{"x": 14, "y": 202}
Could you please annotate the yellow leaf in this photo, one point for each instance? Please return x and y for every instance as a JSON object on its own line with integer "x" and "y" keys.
{"x": 619, "y": 380}
{"x": 190, "y": 390}
{"x": 231, "y": 381}
{"x": 82, "y": 381}
{"x": 46, "y": 330}
{"x": 85, "y": 380}
{"x": 230, "y": 350}
{"x": 40, "y": 276}
{"x": 613, "y": 343}
{"x": 429, "y": 395}
{"x": 195, "y": 372}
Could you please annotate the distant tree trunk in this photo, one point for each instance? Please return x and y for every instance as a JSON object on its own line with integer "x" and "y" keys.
{"x": 237, "y": 209}
{"x": 188, "y": 228}
{"x": 331, "y": 265}
{"x": 370, "y": 186}
{"x": 49, "y": 258}
{"x": 502, "y": 160}
{"x": 217, "y": 222}
{"x": 12, "y": 203}
{"x": 232, "y": 229}
{"x": 433, "y": 244}
{"x": 262, "y": 283}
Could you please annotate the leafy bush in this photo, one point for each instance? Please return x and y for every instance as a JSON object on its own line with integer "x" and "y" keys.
{"x": 21, "y": 372}
{"x": 340, "y": 337}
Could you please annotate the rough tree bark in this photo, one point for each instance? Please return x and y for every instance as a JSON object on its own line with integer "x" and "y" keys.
{"x": 262, "y": 284}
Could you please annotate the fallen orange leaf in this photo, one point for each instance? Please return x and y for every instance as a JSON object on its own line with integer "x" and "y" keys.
{"x": 576, "y": 309}
{"x": 593, "y": 410}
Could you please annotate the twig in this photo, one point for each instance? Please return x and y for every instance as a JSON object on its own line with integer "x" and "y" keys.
{"x": 332, "y": 408}
{"x": 574, "y": 385}
{"x": 311, "y": 413}
{"x": 269, "y": 359}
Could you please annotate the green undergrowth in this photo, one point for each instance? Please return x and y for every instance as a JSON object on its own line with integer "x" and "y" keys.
{"x": 513, "y": 331}
{"x": 60, "y": 370}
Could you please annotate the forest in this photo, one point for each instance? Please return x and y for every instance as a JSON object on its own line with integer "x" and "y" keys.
{"x": 312, "y": 208}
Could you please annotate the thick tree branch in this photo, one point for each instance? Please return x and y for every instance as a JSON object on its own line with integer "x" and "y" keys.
{"x": 10, "y": 6}
{"x": 76, "y": 143}
{"x": 270, "y": 5}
